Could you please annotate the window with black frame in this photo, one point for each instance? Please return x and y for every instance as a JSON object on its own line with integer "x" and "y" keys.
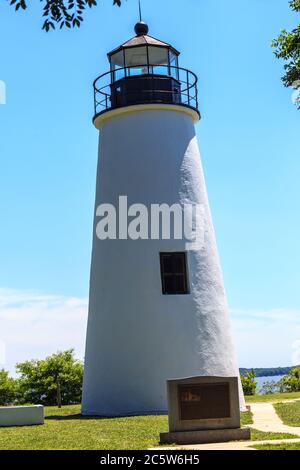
{"x": 174, "y": 273}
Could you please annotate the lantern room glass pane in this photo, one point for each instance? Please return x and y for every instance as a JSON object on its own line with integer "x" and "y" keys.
{"x": 136, "y": 56}
{"x": 158, "y": 55}
{"x": 117, "y": 63}
{"x": 174, "y": 64}
{"x": 117, "y": 60}
{"x": 159, "y": 59}
{"x": 136, "y": 61}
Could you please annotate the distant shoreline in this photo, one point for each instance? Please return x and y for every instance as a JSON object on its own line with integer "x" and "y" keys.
{"x": 268, "y": 371}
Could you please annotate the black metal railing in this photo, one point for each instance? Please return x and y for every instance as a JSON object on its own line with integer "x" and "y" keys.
{"x": 160, "y": 84}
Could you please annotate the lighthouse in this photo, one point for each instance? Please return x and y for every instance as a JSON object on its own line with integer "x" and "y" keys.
{"x": 157, "y": 305}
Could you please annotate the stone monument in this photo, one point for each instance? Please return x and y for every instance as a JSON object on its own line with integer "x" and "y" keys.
{"x": 204, "y": 409}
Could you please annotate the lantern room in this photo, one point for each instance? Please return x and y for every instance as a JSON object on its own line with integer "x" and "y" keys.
{"x": 143, "y": 55}
{"x": 144, "y": 70}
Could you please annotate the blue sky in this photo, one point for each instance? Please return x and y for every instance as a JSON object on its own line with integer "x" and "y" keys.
{"x": 249, "y": 140}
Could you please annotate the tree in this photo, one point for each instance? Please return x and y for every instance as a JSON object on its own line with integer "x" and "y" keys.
{"x": 287, "y": 47}
{"x": 56, "y": 380}
{"x": 291, "y": 382}
{"x": 62, "y": 13}
{"x": 8, "y": 389}
{"x": 248, "y": 383}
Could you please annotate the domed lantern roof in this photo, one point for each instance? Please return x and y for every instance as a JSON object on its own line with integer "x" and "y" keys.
{"x": 143, "y": 50}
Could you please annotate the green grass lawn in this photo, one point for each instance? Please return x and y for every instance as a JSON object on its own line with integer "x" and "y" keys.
{"x": 289, "y": 413}
{"x": 283, "y": 446}
{"x": 65, "y": 429}
{"x": 257, "y": 435}
{"x": 246, "y": 418}
{"x": 273, "y": 397}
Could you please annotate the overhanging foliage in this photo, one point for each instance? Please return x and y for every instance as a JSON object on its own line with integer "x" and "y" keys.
{"x": 61, "y": 13}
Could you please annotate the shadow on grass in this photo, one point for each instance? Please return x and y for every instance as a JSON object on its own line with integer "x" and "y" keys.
{"x": 76, "y": 417}
{"x": 79, "y": 416}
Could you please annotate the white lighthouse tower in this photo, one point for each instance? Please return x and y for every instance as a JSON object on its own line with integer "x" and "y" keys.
{"x": 157, "y": 309}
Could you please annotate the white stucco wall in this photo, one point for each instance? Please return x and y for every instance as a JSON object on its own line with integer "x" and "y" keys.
{"x": 138, "y": 338}
{"x": 21, "y": 415}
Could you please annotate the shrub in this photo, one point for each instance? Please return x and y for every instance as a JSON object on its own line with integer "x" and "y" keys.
{"x": 291, "y": 382}
{"x": 270, "y": 387}
{"x": 248, "y": 383}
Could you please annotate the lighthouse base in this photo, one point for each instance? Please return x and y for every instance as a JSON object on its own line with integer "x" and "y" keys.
{"x": 205, "y": 436}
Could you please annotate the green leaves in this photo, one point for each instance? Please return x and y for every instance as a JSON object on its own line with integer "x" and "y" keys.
{"x": 8, "y": 388}
{"x": 295, "y": 5}
{"x": 19, "y": 4}
{"x": 287, "y": 47}
{"x": 61, "y": 13}
{"x": 39, "y": 379}
{"x": 291, "y": 382}
{"x": 64, "y": 13}
{"x": 248, "y": 383}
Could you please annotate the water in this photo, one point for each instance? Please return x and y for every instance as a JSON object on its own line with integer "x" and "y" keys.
{"x": 260, "y": 381}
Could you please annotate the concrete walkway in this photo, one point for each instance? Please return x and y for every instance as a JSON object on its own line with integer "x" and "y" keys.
{"x": 265, "y": 419}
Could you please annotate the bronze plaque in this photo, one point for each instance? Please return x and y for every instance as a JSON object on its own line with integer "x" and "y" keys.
{"x": 204, "y": 401}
